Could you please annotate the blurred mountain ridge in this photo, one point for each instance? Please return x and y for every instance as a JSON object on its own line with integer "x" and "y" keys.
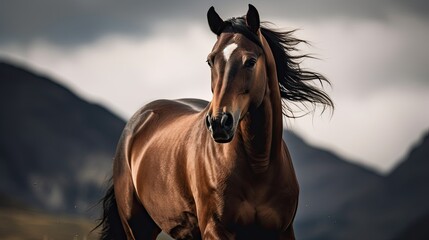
{"x": 56, "y": 154}
{"x": 55, "y": 148}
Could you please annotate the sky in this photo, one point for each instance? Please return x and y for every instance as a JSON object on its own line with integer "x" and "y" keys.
{"x": 123, "y": 54}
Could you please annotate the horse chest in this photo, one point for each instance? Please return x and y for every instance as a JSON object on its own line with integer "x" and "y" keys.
{"x": 264, "y": 215}
{"x": 264, "y": 205}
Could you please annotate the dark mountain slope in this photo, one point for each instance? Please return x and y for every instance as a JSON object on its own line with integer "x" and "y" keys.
{"x": 402, "y": 199}
{"x": 55, "y": 148}
{"x": 327, "y": 183}
{"x": 414, "y": 169}
{"x": 418, "y": 230}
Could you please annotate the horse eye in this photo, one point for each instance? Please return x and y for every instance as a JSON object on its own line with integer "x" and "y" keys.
{"x": 250, "y": 63}
{"x": 209, "y": 63}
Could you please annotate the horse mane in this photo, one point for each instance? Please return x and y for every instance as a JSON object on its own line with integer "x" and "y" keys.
{"x": 296, "y": 84}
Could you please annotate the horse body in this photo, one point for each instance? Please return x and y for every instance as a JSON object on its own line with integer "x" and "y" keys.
{"x": 187, "y": 188}
{"x": 218, "y": 169}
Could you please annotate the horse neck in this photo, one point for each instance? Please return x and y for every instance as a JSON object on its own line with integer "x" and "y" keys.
{"x": 263, "y": 127}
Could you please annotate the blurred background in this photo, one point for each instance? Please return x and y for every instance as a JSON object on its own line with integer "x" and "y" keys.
{"x": 72, "y": 72}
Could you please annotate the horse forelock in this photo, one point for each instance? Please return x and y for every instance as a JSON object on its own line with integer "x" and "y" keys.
{"x": 238, "y": 25}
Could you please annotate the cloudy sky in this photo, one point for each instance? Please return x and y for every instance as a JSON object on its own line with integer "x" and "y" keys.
{"x": 124, "y": 54}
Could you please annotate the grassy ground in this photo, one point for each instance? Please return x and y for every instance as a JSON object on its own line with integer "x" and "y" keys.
{"x": 29, "y": 225}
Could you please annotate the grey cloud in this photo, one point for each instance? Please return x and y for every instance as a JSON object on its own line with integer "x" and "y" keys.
{"x": 74, "y": 22}
{"x": 418, "y": 7}
{"x": 78, "y": 21}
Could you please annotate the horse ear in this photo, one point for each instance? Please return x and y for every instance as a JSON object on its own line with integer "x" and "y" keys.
{"x": 252, "y": 19}
{"x": 215, "y": 22}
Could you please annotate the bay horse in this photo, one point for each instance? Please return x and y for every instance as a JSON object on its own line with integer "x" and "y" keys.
{"x": 219, "y": 169}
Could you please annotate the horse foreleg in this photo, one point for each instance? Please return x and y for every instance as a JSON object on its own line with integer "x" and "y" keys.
{"x": 214, "y": 231}
{"x": 288, "y": 234}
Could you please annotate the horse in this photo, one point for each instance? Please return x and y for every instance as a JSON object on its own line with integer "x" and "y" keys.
{"x": 218, "y": 169}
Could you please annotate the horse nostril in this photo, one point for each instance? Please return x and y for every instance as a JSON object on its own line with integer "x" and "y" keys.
{"x": 227, "y": 121}
{"x": 209, "y": 122}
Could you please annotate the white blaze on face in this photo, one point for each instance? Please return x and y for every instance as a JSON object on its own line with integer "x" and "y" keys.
{"x": 229, "y": 50}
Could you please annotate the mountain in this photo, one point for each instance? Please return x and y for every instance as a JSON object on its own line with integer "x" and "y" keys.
{"x": 55, "y": 148}
{"x": 413, "y": 170}
{"x": 327, "y": 184}
{"x": 402, "y": 199}
{"x": 408, "y": 183}
{"x": 418, "y": 230}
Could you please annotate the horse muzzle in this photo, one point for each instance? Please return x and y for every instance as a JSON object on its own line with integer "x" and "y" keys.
{"x": 221, "y": 127}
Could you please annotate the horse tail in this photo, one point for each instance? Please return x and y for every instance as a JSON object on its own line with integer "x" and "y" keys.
{"x": 110, "y": 222}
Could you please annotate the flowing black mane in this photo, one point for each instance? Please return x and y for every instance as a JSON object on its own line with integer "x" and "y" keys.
{"x": 296, "y": 84}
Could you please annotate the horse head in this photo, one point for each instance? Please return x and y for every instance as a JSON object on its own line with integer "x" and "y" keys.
{"x": 238, "y": 72}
